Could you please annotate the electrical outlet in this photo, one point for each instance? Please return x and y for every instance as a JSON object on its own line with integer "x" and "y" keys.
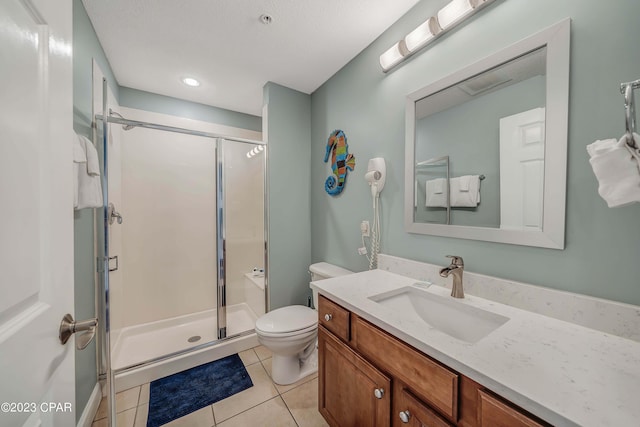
{"x": 362, "y": 250}
{"x": 364, "y": 228}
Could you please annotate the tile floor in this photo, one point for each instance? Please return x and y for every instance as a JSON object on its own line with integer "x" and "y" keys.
{"x": 264, "y": 404}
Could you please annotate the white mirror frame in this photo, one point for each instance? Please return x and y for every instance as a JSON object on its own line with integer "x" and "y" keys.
{"x": 556, "y": 39}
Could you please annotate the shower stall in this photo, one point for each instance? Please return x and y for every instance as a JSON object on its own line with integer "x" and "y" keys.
{"x": 182, "y": 230}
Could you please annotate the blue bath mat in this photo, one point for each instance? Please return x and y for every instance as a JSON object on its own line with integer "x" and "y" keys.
{"x": 180, "y": 394}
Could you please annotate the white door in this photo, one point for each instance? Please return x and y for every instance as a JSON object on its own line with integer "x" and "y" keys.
{"x": 37, "y": 378}
{"x": 522, "y": 170}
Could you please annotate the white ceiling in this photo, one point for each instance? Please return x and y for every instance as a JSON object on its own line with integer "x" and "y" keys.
{"x": 152, "y": 44}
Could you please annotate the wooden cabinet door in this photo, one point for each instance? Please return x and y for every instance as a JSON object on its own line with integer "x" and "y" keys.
{"x": 414, "y": 413}
{"x": 347, "y": 386}
{"x": 431, "y": 381}
{"x": 492, "y": 412}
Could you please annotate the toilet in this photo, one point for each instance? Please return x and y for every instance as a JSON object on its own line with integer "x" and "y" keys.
{"x": 291, "y": 333}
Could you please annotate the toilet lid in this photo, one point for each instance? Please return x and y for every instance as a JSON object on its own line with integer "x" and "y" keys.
{"x": 287, "y": 319}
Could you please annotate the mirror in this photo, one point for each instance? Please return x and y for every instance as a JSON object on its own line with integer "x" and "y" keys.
{"x": 486, "y": 147}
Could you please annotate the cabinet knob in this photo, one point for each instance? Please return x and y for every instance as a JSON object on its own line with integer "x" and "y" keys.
{"x": 378, "y": 393}
{"x": 328, "y": 317}
{"x": 405, "y": 416}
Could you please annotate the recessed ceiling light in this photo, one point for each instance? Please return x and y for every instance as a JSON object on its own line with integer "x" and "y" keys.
{"x": 190, "y": 81}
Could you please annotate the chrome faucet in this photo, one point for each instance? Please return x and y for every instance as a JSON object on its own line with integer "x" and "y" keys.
{"x": 456, "y": 268}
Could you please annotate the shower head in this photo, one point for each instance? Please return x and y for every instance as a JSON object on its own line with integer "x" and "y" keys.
{"x": 115, "y": 113}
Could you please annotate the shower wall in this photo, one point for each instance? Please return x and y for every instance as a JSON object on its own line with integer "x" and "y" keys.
{"x": 244, "y": 210}
{"x": 168, "y": 258}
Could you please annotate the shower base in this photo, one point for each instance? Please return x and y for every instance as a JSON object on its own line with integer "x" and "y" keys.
{"x": 140, "y": 343}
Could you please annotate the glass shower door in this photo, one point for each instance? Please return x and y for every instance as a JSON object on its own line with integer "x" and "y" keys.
{"x": 241, "y": 235}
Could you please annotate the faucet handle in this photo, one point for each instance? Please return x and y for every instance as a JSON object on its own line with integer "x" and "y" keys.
{"x": 456, "y": 260}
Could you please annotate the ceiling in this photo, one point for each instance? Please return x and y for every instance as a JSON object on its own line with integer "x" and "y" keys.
{"x": 152, "y": 44}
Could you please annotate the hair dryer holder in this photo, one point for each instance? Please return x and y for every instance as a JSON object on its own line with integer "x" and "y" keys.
{"x": 376, "y": 175}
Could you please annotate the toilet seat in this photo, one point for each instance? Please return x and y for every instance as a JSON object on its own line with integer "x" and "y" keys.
{"x": 287, "y": 321}
{"x": 310, "y": 329}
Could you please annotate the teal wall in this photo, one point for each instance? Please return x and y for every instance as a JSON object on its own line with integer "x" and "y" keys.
{"x": 601, "y": 255}
{"x": 287, "y": 128}
{"x": 86, "y": 47}
{"x": 147, "y": 101}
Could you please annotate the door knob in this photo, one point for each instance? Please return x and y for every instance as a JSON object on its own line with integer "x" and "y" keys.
{"x": 68, "y": 327}
{"x": 405, "y": 416}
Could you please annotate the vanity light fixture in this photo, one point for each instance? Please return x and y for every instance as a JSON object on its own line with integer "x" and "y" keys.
{"x": 190, "y": 81}
{"x": 454, "y": 12}
{"x": 422, "y": 35}
{"x": 393, "y": 56}
{"x": 448, "y": 17}
{"x": 255, "y": 151}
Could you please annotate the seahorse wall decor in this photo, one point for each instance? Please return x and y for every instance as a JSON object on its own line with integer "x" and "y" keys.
{"x": 341, "y": 160}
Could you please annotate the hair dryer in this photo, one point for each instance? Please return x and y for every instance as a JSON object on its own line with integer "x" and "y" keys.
{"x": 376, "y": 175}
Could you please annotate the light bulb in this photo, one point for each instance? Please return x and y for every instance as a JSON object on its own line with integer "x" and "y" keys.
{"x": 453, "y": 13}
{"x": 421, "y": 35}
{"x": 391, "y": 57}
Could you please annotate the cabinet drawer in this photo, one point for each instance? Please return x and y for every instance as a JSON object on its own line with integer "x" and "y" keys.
{"x": 410, "y": 411}
{"x": 428, "y": 379}
{"x": 334, "y": 318}
{"x": 492, "y": 412}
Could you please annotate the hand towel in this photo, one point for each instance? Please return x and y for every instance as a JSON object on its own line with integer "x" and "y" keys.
{"x": 436, "y": 194}
{"x": 89, "y": 191}
{"x": 465, "y": 181}
{"x": 79, "y": 157}
{"x": 461, "y": 198}
{"x": 616, "y": 167}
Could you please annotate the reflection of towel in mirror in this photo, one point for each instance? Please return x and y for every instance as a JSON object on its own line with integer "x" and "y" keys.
{"x": 465, "y": 191}
{"x": 615, "y": 164}
{"x": 87, "y": 184}
{"x": 436, "y": 194}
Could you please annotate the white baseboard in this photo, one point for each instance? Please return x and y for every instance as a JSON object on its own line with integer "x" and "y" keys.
{"x": 91, "y": 407}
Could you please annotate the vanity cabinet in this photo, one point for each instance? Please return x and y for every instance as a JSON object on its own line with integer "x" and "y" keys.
{"x": 352, "y": 391}
{"x": 368, "y": 377}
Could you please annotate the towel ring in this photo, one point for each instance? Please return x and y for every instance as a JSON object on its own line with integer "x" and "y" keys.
{"x": 630, "y": 111}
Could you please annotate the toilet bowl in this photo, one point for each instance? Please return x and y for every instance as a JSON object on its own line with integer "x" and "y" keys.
{"x": 291, "y": 333}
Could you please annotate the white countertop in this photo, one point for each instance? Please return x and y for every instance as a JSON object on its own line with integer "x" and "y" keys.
{"x": 564, "y": 373}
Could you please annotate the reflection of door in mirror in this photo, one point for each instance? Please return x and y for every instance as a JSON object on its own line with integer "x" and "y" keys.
{"x": 522, "y": 170}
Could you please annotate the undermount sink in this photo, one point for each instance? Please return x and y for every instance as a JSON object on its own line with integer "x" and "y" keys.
{"x": 460, "y": 321}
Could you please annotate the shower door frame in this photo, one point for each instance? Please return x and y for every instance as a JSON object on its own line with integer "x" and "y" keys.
{"x": 106, "y": 372}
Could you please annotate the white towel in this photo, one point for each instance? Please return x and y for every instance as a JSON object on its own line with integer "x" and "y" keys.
{"x": 465, "y": 182}
{"x": 616, "y": 167}
{"x": 79, "y": 157}
{"x": 87, "y": 182}
{"x": 464, "y": 191}
{"x": 436, "y": 196}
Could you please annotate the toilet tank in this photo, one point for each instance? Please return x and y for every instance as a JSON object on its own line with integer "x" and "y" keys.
{"x": 324, "y": 270}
